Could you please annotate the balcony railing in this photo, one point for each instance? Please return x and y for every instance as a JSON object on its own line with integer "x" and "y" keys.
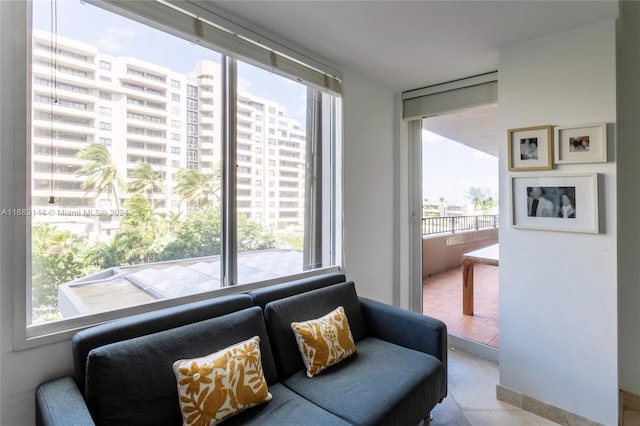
{"x": 452, "y": 224}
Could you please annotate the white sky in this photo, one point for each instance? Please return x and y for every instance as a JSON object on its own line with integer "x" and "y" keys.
{"x": 450, "y": 168}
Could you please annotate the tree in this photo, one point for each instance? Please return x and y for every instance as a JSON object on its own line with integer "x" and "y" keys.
{"x": 146, "y": 180}
{"x": 193, "y": 187}
{"x": 481, "y": 199}
{"x": 252, "y": 236}
{"x": 57, "y": 258}
{"x": 198, "y": 235}
{"x": 133, "y": 241}
{"x": 138, "y": 230}
{"x": 173, "y": 220}
{"x": 102, "y": 174}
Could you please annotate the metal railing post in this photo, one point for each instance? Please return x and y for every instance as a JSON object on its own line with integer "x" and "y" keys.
{"x": 452, "y": 224}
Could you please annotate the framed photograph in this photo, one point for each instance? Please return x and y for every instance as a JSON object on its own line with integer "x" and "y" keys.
{"x": 563, "y": 202}
{"x": 530, "y": 148}
{"x": 581, "y": 144}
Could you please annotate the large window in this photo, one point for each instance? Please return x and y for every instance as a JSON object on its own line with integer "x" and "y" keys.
{"x": 163, "y": 211}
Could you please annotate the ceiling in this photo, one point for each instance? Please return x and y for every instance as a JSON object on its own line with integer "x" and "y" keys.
{"x": 405, "y": 45}
{"x": 476, "y": 128}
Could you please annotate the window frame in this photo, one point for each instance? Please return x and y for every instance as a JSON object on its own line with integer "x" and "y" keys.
{"x": 15, "y": 78}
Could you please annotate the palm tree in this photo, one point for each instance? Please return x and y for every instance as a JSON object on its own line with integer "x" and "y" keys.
{"x": 193, "y": 186}
{"x": 476, "y": 195}
{"x": 102, "y": 174}
{"x": 145, "y": 180}
{"x": 173, "y": 220}
{"x": 481, "y": 199}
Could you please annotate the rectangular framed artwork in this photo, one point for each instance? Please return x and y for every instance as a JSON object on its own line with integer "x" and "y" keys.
{"x": 581, "y": 144}
{"x": 563, "y": 202}
{"x": 530, "y": 148}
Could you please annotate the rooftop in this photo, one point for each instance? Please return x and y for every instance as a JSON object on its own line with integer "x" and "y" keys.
{"x": 123, "y": 286}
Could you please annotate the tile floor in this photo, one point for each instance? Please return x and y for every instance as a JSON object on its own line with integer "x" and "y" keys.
{"x": 472, "y": 397}
{"x": 442, "y": 298}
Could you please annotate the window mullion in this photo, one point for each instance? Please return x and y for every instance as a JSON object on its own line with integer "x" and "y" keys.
{"x": 229, "y": 180}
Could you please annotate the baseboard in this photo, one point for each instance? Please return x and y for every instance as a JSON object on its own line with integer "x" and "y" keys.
{"x": 542, "y": 409}
{"x": 474, "y": 348}
{"x": 629, "y": 413}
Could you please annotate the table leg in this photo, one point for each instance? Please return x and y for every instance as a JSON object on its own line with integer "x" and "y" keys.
{"x": 467, "y": 287}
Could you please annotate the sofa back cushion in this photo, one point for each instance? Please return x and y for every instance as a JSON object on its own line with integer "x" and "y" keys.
{"x": 313, "y": 304}
{"x": 139, "y": 325}
{"x": 132, "y": 382}
{"x": 263, "y": 296}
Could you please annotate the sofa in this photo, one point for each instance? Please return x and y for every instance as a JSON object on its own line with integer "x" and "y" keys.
{"x": 123, "y": 369}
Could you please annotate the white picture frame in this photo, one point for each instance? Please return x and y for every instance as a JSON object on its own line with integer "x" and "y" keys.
{"x": 566, "y": 202}
{"x": 586, "y": 143}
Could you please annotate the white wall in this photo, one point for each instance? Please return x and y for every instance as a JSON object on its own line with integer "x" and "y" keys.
{"x": 368, "y": 186}
{"x": 558, "y": 298}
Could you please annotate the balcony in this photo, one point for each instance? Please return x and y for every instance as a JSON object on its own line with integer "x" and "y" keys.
{"x": 444, "y": 241}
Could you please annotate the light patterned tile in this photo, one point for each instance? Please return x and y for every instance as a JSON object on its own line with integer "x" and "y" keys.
{"x": 492, "y": 368}
{"x": 448, "y": 404}
{"x": 448, "y": 418}
{"x": 500, "y": 418}
{"x": 462, "y": 363}
{"x": 541, "y": 421}
{"x": 476, "y": 392}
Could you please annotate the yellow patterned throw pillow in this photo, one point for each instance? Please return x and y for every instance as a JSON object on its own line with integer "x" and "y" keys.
{"x": 217, "y": 386}
{"x": 325, "y": 341}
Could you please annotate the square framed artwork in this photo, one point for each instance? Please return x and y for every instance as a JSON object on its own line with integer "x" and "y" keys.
{"x": 530, "y": 148}
{"x": 563, "y": 202}
{"x": 585, "y": 143}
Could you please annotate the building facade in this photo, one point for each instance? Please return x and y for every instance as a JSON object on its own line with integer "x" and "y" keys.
{"x": 146, "y": 113}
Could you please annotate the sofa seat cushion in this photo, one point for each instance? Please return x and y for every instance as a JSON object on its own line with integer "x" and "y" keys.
{"x": 286, "y": 408}
{"x": 381, "y": 384}
{"x": 132, "y": 382}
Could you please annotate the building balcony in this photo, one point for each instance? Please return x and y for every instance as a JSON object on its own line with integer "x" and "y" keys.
{"x": 444, "y": 242}
{"x": 66, "y": 61}
{"x": 144, "y": 81}
{"x": 207, "y": 158}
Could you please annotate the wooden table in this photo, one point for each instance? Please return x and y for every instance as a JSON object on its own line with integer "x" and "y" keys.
{"x": 485, "y": 256}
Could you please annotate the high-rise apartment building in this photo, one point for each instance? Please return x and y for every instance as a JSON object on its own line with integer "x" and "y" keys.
{"x": 143, "y": 112}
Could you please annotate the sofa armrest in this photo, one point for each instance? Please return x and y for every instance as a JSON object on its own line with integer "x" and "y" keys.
{"x": 59, "y": 403}
{"x": 405, "y": 328}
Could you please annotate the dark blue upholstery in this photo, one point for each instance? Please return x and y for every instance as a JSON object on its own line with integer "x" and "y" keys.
{"x": 151, "y": 322}
{"x": 124, "y": 376}
{"x": 381, "y": 384}
{"x": 286, "y": 408}
{"x": 313, "y": 304}
{"x": 60, "y": 403}
{"x": 408, "y": 329}
{"x": 132, "y": 382}
{"x": 279, "y": 291}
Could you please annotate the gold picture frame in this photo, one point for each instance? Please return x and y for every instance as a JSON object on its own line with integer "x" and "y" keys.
{"x": 530, "y": 148}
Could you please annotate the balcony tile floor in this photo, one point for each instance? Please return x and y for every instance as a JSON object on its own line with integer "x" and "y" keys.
{"x": 442, "y": 299}
{"x": 472, "y": 397}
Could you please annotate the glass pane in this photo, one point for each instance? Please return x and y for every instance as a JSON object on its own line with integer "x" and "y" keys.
{"x": 126, "y": 143}
{"x": 280, "y": 179}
